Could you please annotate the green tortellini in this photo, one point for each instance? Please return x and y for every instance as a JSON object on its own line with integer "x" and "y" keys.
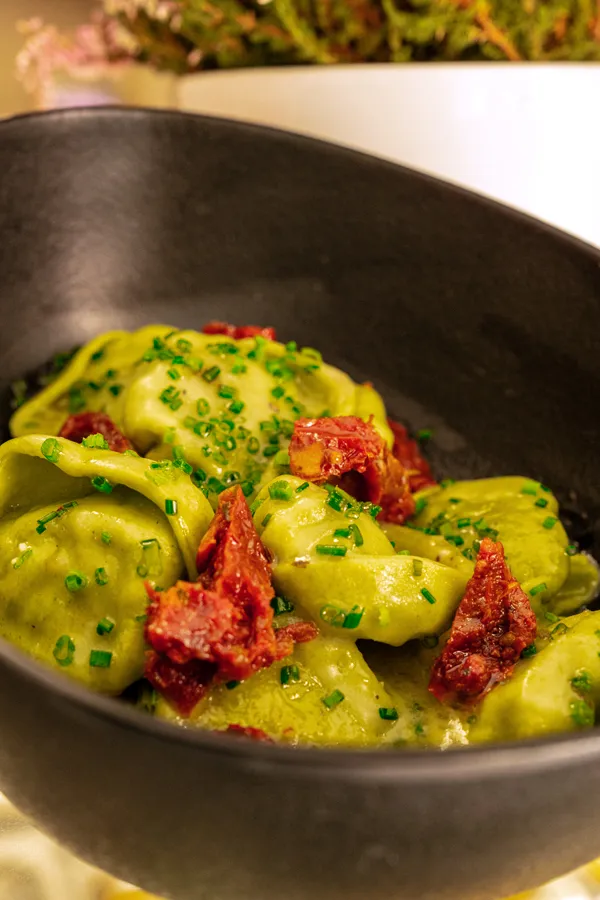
{"x": 226, "y": 406}
{"x": 369, "y": 591}
{"x": 555, "y": 690}
{"x": 324, "y": 693}
{"x": 80, "y": 531}
{"x": 516, "y": 511}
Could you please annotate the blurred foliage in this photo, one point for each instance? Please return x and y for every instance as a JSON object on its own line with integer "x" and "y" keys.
{"x": 188, "y": 35}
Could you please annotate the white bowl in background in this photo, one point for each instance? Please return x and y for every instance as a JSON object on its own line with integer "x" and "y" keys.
{"x": 528, "y": 135}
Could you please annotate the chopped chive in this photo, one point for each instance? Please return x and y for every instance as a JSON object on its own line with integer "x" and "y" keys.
{"x": 289, "y": 673}
{"x": 106, "y": 537}
{"x": 212, "y": 373}
{"x": 75, "y": 581}
{"x": 550, "y": 522}
{"x": 530, "y": 489}
{"x": 76, "y": 400}
{"x": 529, "y": 651}
{"x": 230, "y": 685}
{"x": 238, "y": 369}
{"x": 102, "y": 484}
{"x": 537, "y": 589}
{"x": 388, "y": 713}
{"x": 271, "y": 450}
{"x": 170, "y": 507}
{"x": 278, "y": 392}
{"x": 420, "y": 505}
{"x": 333, "y": 699}
{"x": 570, "y": 549}
{"x": 417, "y": 567}
{"x": 267, "y": 519}
{"x": 236, "y": 407}
{"x": 183, "y": 345}
{"x": 105, "y": 626}
{"x": 428, "y": 595}
{"x": 141, "y": 618}
{"x": 282, "y": 458}
{"x": 64, "y": 650}
{"x": 541, "y": 502}
{"x": 331, "y": 550}
{"x": 424, "y": 434}
{"x": 253, "y": 445}
{"x": 101, "y": 577}
{"x": 95, "y": 442}
{"x": 454, "y": 500}
{"x": 100, "y": 659}
{"x": 342, "y": 533}
{"x": 115, "y": 389}
{"x": 463, "y": 523}
{"x": 281, "y": 490}
{"x": 247, "y": 488}
{"x": 561, "y": 628}
{"x": 281, "y": 605}
{"x": 226, "y": 392}
{"x": 357, "y": 535}
{"x": 97, "y": 355}
{"x": 581, "y": 713}
{"x": 203, "y": 406}
{"x": 550, "y": 617}
{"x": 402, "y": 552}
{"x": 51, "y": 449}
{"x": 22, "y": 558}
{"x": 352, "y": 619}
{"x": 582, "y": 682}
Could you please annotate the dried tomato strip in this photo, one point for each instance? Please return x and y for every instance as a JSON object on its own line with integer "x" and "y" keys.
{"x": 350, "y": 452}
{"x": 239, "y": 331}
{"x": 224, "y": 621}
{"x": 407, "y": 452}
{"x": 82, "y": 425}
{"x": 493, "y": 624}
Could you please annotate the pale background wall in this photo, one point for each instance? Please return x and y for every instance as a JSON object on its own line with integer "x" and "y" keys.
{"x": 64, "y": 13}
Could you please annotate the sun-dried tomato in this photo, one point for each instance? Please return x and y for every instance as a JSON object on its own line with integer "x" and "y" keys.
{"x": 82, "y": 425}
{"x": 297, "y": 633}
{"x": 183, "y": 685}
{"x": 239, "y": 331}
{"x": 348, "y": 451}
{"x": 225, "y": 619}
{"x": 255, "y": 734}
{"x": 407, "y": 451}
{"x": 493, "y": 624}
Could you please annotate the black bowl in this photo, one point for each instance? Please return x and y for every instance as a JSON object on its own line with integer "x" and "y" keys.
{"x": 470, "y": 318}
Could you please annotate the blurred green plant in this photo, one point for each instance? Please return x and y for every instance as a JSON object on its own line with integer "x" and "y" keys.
{"x": 184, "y": 36}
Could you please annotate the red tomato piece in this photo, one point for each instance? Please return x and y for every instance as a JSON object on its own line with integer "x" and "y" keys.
{"x": 349, "y": 451}
{"x": 82, "y": 425}
{"x": 225, "y": 619}
{"x": 255, "y": 734}
{"x": 183, "y": 685}
{"x": 493, "y": 624}
{"x": 407, "y": 451}
{"x": 298, "y": 633}
{"x": 239, "y": 331}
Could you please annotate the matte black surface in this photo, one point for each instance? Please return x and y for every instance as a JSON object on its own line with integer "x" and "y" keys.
{"x": 469, "y": 318}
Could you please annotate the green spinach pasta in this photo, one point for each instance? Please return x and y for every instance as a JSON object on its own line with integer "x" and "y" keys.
{"x": 230, "y": 533}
